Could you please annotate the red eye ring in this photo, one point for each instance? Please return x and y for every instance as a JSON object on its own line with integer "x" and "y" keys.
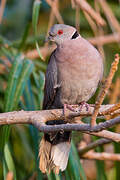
{"x": 60, "y": 32}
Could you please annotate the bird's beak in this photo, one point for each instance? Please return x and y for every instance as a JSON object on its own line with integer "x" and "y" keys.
{"x": 50, "y": 37}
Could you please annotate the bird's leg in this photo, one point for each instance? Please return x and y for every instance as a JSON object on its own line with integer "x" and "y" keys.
{"x": 70, "y": 107}
{"x": 82, "y": 104}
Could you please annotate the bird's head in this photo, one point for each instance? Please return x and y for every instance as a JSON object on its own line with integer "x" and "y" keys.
{"x": 61, "y": 32}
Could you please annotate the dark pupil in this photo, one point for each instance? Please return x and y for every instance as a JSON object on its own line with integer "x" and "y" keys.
{"x": 75, "y": 35}
{"x": 60, "y": 32}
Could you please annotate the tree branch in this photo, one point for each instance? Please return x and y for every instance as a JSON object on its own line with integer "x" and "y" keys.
{"x": 93, "y": 145}
{"x": 23, "y": 117}
{"x": 102, "y": 156}
{"x": 39, "y": 118}
{"x": 87, "y": 8}
{"x": 104, "y": 89}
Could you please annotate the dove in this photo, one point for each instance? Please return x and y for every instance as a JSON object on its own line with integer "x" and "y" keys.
{"x": 73, "y": 73}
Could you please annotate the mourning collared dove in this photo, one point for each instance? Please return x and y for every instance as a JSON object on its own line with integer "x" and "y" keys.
{"x": 73, "y": 73}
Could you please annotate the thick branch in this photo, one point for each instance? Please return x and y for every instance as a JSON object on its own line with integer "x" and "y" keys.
{"x": 24, "y": 117}
{"x": 39, "y": 118}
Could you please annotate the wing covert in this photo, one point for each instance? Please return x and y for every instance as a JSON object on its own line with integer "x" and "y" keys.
{"x": 50, "y": 82}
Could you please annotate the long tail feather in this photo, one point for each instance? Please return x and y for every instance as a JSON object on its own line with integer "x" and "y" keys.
{"x": 44, "y": 154}
{"x": 53, "y": 156}
{"x": 60, "y": 154}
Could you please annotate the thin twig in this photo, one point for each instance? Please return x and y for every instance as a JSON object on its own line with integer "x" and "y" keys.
{"x": 91, "y": 23}
{"x": 114, "y": 24}
{"x": 2, "y": 7}
{"x": 45, "y": 51}
{"x": 77, "y": 18}
{"x": 73, "y": 4}
{"x": 112, "y": 109}
{"x": 104, "y": 90}
{"x": 86, "y": 7}
{"x": 51, "y": 20}
{"x": 81, "y": 127}
{"x": 100, "y": 30}
{"x": 93, "y": 145}
{"x": 115, "y": 92}
{"x": 102, "y": 156}
{"x": 54, "y": 7}
{"x": 108, "y": 135}
{"x": 106, "y": 39}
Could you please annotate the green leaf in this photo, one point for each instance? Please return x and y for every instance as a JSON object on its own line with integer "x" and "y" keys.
{"x": 29, "y": 105}
{"x": 40, "y": 90}
{"x": 24, "y": 37}
{"x": 38, "y": 50}
{"x": 100, "y": 170}
{"x": 18, "y": 77}
{"x": 28, "y": 97}
{"x": 35, "y": 16}
{"x": 25, "y": 73}
{"x": 5, "y": 168}
{"x": 7, "y": 53}
{"x": 36, "y": 139}
{"x": 39, "y": 80}
{"x": 101, "y": 174}
{"x": 77, "y": 158}
{"x": 72, "y": 167}
{"x": 117, "y": 163}
{"x": 12, "y": 83}
{"x": 10, "y": 94}
{"x": 9, "y": 161}
{"x": 57, "y": 176}
{"x": 50, "y": 176}
{"x": 4, "y": 41}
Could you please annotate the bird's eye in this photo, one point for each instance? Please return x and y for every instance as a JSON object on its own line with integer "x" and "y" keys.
{"x": 60, "y": 32}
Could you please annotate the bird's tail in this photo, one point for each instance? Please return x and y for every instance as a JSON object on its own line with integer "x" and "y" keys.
{"x": 54, "y": 155}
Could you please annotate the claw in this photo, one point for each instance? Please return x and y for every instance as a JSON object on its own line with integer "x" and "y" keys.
{"x": 82, "y": 104}
{"x": 73, "y": 108}
{"x": 70, "y": 107}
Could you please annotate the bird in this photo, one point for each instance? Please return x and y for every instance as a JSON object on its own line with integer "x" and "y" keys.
{"x": 74, "y": 71}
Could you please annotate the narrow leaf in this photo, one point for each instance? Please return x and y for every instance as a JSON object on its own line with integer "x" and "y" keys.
{"x": 25, "y": 73}
{"x": 9, "y": 160}
{"x": 12, "y": 83}
{"x": 77, "y": 158}
{"x": 35, "y": 16}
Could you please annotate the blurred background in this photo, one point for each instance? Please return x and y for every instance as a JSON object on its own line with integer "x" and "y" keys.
{"x": 24, "y": 26}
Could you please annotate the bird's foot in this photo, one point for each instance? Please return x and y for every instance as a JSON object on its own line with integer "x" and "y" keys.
{"x": 70, "y": 107}
{"x": 82, "y": 104}
{"x": 74, "y": 108}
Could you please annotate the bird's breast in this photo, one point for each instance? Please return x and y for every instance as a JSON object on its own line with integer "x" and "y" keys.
{"x": 79, "y": 73}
